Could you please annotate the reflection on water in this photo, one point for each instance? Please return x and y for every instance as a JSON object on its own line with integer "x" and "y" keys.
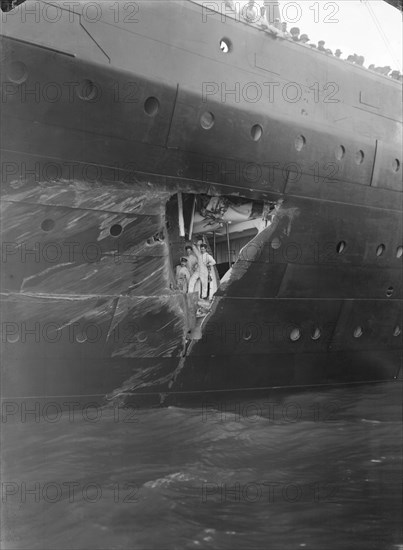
{"x": 314, "y": 470}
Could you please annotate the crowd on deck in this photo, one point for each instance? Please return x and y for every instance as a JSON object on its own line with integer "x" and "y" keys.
{"x": 257, "y": 15}
{"x": 303, "y": 39}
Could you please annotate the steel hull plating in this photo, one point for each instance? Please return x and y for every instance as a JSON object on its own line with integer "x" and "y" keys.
{"x": 90, "y": 161}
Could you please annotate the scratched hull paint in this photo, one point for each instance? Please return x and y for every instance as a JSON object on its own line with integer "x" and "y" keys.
{"x": 89, "y": 208}
{"x": 84, "y": 294}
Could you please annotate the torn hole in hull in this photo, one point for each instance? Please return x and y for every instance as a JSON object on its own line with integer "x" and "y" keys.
{"x": 206, "y": 235}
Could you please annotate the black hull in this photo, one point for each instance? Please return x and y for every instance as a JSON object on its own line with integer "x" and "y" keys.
{"x": 89, "y": 314}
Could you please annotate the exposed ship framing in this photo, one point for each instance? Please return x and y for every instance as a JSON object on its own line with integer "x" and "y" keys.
{"x": 124, "y": 138}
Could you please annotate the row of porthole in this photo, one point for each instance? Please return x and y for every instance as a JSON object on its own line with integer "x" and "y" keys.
{"x": 226, "y": 47}
{"x": 296, "y": 333}
{"x": 341, "y": 247}
{"x": 116, "y": 229}
{"x": 88, "y": 90}
{"x": 381, "y": 249}
{"x": 207, "y": 121}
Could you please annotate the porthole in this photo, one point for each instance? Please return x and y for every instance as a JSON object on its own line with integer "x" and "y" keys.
{"x": 17, "y": 72}
{"x": 47, "y": 225}
{"x": 340, "y": 152}
{"x": 275, "y": 243}
{"x": 359, "y": 157}
{"x": 396, "y": 165}
{"x": 295, "y": 335}
{"x": 316, "y": 334}
{"x": 87, "y": 90}
{"x": 151, "y": 106}
{"x": 399, "y": 252}
{"x": 358, "y": 332}
{"x": 341, "y": 246}
{"x": 390, "y": 291}
{"x": 397, "y": 331}
{"x": 300, "y": 142}
{"x": 225, "y": 45}
{"x": 116, "y": 230}
{"x": 380, "y": 250}
{"x": 256, "y": 132}
{"x": 81, "y": 338}
{"x": 207, "y": 120}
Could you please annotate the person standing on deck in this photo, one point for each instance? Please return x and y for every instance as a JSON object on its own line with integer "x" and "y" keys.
{"x": 182, "y": 276}
{"x": 191, "y": 259}
{"x": 304, "y": 39}
{"x": 205, "y": 262}
{"x": 295, "y": 34}
{"x": 286, "y": 34}
{"x": 321, "y": 46}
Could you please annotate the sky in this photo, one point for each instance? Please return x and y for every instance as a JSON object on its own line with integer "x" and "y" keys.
{"x": 349, "y": 26}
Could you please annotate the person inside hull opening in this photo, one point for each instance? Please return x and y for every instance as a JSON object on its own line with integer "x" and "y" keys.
{"x": 191, "y": 259}
{"x": 182, "y": 276}
{"x": 203, "y": 271}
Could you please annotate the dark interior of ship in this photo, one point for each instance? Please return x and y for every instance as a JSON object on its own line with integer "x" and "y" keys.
{"x": 226, "y": 224}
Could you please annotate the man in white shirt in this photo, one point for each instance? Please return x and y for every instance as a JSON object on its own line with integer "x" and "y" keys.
{"x": 191, "y": 258}
{"x": 208, "y": 261}
{"x": 204, "y": 264}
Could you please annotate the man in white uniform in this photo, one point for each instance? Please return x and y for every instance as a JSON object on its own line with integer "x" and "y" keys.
{"x": 204, "y": 263}
{"x": 191, "y": 258}
{"x": 207, "y": 262}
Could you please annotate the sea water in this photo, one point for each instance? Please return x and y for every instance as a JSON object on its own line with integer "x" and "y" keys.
{"x": 314, "y": 470}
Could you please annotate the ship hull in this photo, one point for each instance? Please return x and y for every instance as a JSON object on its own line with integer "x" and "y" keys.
{"x": 90, "y": 313}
